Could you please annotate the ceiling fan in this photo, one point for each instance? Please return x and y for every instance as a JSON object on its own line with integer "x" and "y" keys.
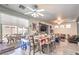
{"x": 35, "y": 12}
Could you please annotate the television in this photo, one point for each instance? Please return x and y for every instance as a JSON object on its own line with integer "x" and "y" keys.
{"x": 43, "y": 27}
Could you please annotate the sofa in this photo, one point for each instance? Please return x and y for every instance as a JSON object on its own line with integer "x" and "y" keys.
{"x": 73, "y": 39}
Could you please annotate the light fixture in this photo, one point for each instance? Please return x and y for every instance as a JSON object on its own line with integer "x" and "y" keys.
{"x": 59, "y": 20}
{"x": 34, "y": 15}
{"x": 35, "y": 12}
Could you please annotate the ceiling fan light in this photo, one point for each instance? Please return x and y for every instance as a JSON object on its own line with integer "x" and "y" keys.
{"x": 34, "y": 15}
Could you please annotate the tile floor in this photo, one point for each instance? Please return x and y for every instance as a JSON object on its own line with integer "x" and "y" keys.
{"x": 64, "y": 48}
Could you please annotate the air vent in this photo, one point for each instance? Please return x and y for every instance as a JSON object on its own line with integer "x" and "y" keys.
{"x": 22, "y": 7}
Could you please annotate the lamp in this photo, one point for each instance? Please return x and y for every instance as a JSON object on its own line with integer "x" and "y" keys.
{"x": 59, "y": 20}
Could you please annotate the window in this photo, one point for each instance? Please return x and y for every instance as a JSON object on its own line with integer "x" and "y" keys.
{"x": 56, "y": 26}
{"x": 61, "y": 26}
{"x": 68, "y": 25}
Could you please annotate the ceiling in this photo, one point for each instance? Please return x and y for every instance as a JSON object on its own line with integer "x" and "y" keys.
{"x": 52, "y": 11}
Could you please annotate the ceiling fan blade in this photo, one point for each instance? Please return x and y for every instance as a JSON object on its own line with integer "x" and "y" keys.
{"x": 35, "y": 15}
{"x": 40, "y": 14}
{"x": 30, "y": 8}
{"x": 40, "y": 10}
{"x": 28, "y": 13}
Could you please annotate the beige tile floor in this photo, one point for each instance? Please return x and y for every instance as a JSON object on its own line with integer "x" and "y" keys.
{"x": 67, "y": 48}
{"x": 64, "y": 48}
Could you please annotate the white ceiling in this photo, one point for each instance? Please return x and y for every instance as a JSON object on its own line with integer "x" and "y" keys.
{"x": 52, "y": 11}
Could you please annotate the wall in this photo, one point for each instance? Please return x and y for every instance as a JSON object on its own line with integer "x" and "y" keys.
{"x": 78, "y": 25}
{"x": 7, "y": 19}
{"x": 37, "y": 22}
{"x": 78, "y": 28}
{"x": 71, "y": 31}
